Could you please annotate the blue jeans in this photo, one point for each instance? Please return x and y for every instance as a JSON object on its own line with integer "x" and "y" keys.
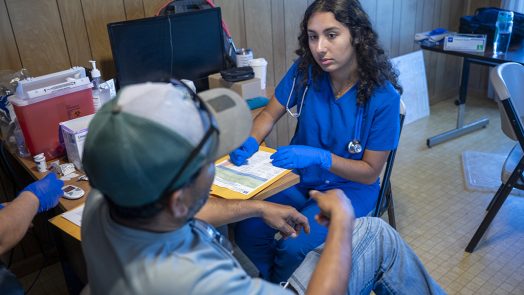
{"x": 381, "y": 261}
{"x": 276, "y": 260}
{"x": 9, "y": 285}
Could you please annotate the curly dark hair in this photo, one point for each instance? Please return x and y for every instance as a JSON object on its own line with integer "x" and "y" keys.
{"x": 374, "y": 67}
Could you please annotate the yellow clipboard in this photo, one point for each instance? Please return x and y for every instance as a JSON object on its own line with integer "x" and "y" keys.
{"x": 231, "y": 194}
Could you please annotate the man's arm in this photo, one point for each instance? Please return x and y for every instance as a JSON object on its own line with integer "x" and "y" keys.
{"x": 15, "y": 219}
{"x": 331, "y": 276}
{"x": 283, "y": 218}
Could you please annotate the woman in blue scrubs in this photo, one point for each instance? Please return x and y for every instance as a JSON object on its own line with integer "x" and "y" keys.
{"x": 347, "y": 101}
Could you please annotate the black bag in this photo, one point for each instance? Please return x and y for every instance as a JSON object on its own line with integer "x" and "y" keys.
{"x": 483, "y": 22}
{"x": 238, "y": 74}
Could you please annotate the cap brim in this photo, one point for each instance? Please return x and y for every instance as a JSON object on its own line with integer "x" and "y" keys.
{"x": 232, "y": 115}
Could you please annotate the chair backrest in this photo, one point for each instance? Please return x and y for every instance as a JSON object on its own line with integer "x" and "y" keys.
{"x": 508, "y": 82}
{"x": 385, "y": 187}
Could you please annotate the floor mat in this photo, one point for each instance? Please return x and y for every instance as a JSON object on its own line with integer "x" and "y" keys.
{"x": 482, "y": 171}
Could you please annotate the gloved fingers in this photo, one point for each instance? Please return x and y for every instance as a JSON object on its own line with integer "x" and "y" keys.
{"x": 238, "y": 157}
{"x": 250, "y": 145}
{"x": 284, "y": 163}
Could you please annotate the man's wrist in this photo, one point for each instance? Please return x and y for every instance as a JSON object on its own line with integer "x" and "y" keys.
{"x": 342, "y": 218}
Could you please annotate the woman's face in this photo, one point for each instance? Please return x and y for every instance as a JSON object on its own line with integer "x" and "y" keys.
{"x": 330, "y": 43}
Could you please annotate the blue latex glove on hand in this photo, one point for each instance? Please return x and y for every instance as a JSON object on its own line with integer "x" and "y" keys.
{"x": 244, "y": 152}
{"x": 301, "y": 156}
{"x": 48, "y": 190}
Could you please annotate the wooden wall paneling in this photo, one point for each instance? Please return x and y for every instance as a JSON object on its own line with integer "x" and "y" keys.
{"x": 134, "y": 9}
{"x": 9, "y": 57}
{"x": 294, "y": 13}
{"x": 40, "y": 37}
{"x": 259, "y": 32}
{"x": 383, "y": 25}
{"x": 407, "y": 26}
{"x": 259, "y": 37}
{"x": 151, "y": 7}
{"x": 454, "y": 64}
{"x": 279, "y": 36}
{"x": 429, "y": 57}
{"x": 233, "y": 14}
{"x": 75, "y": 32}
{"x": 419, "y": 22}
{"x": 443, "y": 83}
{"x": 370, "y": 6}
{"x": 98, "y": 13}
{"x": 279, "y": 65}
{"x": 434, "y": 57}
{"x": 396, "y": 25}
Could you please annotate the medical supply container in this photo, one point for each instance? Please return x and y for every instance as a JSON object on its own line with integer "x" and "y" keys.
{"x": 74, "y": 133}
{"x": 41, "y": 103}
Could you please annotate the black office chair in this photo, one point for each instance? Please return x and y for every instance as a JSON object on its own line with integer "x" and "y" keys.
{"x": 507, "y": 80}
{"x": 385, "y": 195}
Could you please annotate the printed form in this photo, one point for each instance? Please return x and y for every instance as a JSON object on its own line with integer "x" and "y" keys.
{"x": 250, "y": 178}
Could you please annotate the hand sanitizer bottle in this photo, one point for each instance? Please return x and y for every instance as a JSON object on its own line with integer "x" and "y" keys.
{"x": 101, "y": 93}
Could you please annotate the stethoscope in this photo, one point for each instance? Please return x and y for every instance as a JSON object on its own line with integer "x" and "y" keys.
{"x": 354, "y": 146}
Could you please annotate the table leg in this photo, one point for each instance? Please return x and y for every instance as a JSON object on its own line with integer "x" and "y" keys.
{"x": 461, "y": 129}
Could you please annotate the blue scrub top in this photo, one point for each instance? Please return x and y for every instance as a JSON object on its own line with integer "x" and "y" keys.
{"x": 329, "y": 123}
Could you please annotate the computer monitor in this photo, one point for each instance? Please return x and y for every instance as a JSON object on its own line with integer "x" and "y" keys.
{"x": 186, "y": 45}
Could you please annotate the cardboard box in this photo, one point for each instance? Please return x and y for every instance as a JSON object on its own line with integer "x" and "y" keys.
{"x": 465, "y": 42}
{"x": 246, "y": 89}
{"x": 74, "y": 133}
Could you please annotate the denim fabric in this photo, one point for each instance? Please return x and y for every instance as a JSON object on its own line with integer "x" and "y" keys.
{"x": 9, "y": 285}
{"x": 381, "y": 262}
{"x": 276, "y": 260}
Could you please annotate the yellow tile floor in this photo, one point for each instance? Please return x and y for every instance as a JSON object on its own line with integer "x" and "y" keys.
{"x": 435, "y": 214}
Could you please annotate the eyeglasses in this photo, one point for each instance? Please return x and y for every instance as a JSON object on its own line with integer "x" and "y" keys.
{"x": 213, "y": 128}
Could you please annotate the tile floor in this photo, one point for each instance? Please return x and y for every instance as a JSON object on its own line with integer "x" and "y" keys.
{"x": 435, "y": 214}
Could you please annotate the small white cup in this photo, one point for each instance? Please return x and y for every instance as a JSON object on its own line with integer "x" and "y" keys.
{"x": 259, "y": 66}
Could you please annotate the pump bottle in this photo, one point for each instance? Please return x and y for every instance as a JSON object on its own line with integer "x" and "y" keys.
{"x": 101, "y": 93}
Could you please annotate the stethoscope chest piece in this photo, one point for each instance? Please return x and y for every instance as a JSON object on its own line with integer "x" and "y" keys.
{"x": 354, "y": 147}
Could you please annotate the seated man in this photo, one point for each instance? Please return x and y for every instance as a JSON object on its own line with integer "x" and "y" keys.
{"x": 150, "y": 154}
{"x": 16, "y": 217}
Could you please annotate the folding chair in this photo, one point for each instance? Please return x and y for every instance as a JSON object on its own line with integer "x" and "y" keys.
{"x": 507, "y": 80}
{"x": 385, "y": 196}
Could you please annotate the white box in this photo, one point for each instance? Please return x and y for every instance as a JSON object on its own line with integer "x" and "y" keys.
{"x": 74, "y": 133}
{"x": 465, "y": 42}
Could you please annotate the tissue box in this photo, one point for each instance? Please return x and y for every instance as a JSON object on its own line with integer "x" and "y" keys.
{"x": 465, "y": 42}
{"x": 74, "y": 133}
{"x": 246, "y": 89}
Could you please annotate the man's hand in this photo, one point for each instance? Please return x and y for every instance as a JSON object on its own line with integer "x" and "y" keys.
{"x": 286, "y": 219}
{"x": 245, "y": 151}
{"x": 301, "y": 156}
{"x": 333, "y": 204}
{"x": 48, "y": 190}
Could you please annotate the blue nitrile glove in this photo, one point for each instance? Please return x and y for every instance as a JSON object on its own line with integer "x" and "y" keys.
{"x": 48, "y": 190}
{"x": 1, "y": 206}
{"x": 301, "y": 156}
{"x": 244, "y": 152}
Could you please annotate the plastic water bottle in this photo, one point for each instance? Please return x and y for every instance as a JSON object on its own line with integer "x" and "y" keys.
{"x": 101, "y": 93}
{"x": 20, "y": 141}
{"x": 504, "y": 27}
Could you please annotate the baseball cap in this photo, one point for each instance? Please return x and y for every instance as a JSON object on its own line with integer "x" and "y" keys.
{"x": 139, "y": 141}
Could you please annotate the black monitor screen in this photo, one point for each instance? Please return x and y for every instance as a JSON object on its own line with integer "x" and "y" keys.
{"x": 185, "y": 46}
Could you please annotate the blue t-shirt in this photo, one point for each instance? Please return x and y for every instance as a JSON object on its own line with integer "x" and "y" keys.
{"x": 329, "y": 123}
